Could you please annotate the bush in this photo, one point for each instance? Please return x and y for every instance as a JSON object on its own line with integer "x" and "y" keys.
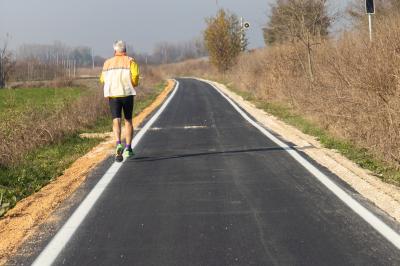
{"x": 223, "y": 39}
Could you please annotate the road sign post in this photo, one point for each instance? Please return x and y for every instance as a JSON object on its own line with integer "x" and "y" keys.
{"x": 370, "y": 26}
{"x": 243, "y": 27}
{"x": 370, "y": 9}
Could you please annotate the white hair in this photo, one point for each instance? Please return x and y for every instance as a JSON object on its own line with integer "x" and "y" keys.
{"x": 119, "y": 46}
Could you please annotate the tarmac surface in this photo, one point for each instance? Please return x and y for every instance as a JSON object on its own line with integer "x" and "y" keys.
{"x": 207, "y": 188}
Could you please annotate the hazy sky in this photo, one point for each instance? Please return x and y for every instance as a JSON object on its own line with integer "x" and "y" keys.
{"x": 97, "y": 23}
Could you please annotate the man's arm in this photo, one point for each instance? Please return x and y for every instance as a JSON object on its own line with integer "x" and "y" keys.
{"x": 105, "y": 66}
{"x": 135, "y": 72}
{"x": 102, "y": 77}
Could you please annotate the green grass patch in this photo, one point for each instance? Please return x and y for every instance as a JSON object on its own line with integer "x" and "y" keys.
{"x": 17, "y": 104}
{"x": 360, "y": 156}
{"x": 42, "y": 165}
{"x": 103, "y": 124}
{"x": 43, "y": 98}
{"x": 39, "y": 168}
{"x": 143, "y": 101}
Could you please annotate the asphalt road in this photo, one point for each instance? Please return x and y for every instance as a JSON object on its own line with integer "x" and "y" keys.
{"x": 207, "y": 188}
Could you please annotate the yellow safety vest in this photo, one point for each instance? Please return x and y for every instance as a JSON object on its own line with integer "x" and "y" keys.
{"x": 120, "y": 75}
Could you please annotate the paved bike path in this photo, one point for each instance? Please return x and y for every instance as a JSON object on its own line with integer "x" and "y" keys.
{"x": 207, "y": 188}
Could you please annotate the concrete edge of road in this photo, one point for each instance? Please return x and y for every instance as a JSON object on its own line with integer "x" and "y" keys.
{"x": 323, "y": 157}
{"x": 23, "y": 221}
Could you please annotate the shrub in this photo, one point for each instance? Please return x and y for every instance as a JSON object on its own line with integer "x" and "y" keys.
{"x": 223, "y": 39}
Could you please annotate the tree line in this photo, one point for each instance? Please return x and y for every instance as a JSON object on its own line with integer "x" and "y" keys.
{"x": 168, "y": 52}
{"x": 32, "y": 62}
{"x": 291, "y": 21}
{"x": 295, "y": 21}
{"x": 51, "y": 61}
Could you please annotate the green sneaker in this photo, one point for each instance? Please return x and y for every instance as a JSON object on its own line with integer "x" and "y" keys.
{"x": 118, "y": 153}
{"x": 128, "y": 153}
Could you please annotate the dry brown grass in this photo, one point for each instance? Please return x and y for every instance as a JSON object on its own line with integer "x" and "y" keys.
{"x": 56, "y": 83}
{"x": 27, "y": 130}
{"x": 85, "y": 71}
{"x": 35, "y": 127}
{"x": 198, "y": 67}
{"x": 355, "y": 93}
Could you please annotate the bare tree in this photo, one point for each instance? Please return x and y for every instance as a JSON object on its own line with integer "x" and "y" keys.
{"x": 166, "y": 52}
{"x": 293, "y": 19}
{"x": 6, "y": 64}
{"x": 304, "y": 21}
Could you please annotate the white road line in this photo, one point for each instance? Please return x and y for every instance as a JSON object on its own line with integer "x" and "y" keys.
{"x": 194, "y": 127}
{"x": 56, "y": 245}
{"x": 185, "y": 127}
{"x": 391, "y": 235}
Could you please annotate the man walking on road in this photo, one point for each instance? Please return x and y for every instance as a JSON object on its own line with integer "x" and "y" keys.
{"x": 120, "y": 75}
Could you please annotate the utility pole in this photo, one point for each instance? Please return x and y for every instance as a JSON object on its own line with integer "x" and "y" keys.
{"x": 370, "y": 26}
{"x": 243, "y": 27}
{"x": 74, "y": 68}
{"x": 69, "y": 67}
{"x": 92, "y": 58}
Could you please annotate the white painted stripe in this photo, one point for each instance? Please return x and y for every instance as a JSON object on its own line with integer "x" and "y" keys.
{"x": 185, "y": 127}
{"x": 56, "y": 245}
{"x": 391, "y": 235}
{"x": 194, "y": 127}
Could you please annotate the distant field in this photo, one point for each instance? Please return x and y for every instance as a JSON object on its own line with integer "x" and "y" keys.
{"x": 45, "y": 99}
{"x": 30, "y": 118}
{"x": 38, "y": 135}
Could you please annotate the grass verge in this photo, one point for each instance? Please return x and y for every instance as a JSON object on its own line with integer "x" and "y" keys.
{"x": 44, "y": 164}
{"x": 360, "y": 156}
{"x": 40, "y": 167}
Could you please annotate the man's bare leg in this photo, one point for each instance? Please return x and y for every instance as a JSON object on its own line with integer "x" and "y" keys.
{"x": 117, "y": 129}
{"x": 117, "y": 134}
{"x": 128, "y": 131}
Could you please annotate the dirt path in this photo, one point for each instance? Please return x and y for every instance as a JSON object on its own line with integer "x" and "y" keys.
{"x": 25, "y": 218}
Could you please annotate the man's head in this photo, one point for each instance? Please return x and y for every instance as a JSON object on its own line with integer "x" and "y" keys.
{"x": 120, "y": 47}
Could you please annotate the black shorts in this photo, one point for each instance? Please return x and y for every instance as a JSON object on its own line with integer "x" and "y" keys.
{"x": 119, "y": 104}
